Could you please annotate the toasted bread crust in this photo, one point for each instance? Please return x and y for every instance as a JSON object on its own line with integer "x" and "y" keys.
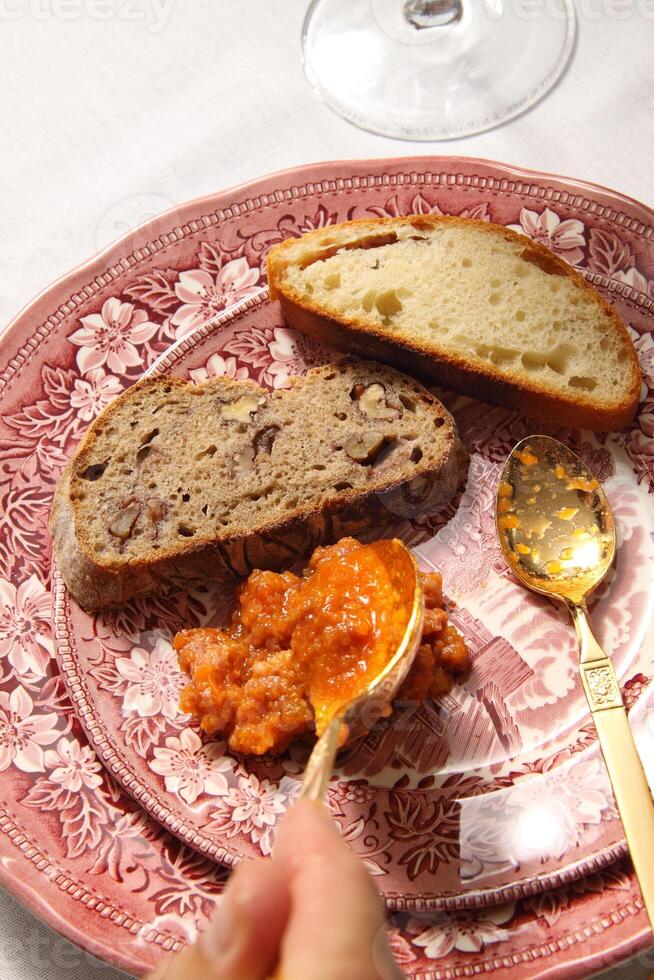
{"x": 98, "y": 582}
{"x": 456, "y": 373}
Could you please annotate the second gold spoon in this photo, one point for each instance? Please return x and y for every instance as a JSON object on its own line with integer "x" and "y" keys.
{"x": 557, "y": 533}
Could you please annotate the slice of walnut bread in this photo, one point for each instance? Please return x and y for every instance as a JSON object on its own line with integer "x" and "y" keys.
{"x": 177, "y": 484}
{"x": 466, "y": 304}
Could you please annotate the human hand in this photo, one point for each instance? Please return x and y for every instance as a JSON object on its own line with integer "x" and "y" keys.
{"x": 312, "y": 912}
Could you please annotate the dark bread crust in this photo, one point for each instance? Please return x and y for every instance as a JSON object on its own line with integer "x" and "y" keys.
{"x": 99, "y": 583}
{"x": 484, "y": 382}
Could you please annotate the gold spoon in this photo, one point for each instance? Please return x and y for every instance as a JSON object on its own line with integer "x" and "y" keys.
{"x": 557, "y": 533}
{"x": 362, "y": 712}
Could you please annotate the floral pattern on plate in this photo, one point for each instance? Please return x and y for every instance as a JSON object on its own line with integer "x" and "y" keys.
{"x": 442, "y": 774}
{"x": 82, "y": 854}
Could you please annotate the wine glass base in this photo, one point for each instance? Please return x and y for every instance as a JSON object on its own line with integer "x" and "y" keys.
{"x": 378, "y": 71}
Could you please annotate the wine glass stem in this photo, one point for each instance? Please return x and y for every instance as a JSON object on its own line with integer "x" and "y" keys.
{"x": 423, "y": 14}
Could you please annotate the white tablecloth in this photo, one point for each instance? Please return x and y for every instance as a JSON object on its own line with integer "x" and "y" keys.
{"x": 111, "y": 112}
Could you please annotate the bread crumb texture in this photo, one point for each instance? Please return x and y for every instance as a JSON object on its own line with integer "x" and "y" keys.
{"x": 171, "y": 464}
{"x": 452, "y": 288}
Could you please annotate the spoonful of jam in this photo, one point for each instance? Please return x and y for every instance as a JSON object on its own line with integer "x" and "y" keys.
{"x": 362, "y": 636}
{"x": 320, "y": 653}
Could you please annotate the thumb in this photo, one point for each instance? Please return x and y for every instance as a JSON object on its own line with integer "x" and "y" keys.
{"x": 337, "y": 926}
{"x": 242, "y": 940}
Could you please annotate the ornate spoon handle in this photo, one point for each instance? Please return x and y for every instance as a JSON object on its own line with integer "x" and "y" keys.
{"x": 630, "y": 786}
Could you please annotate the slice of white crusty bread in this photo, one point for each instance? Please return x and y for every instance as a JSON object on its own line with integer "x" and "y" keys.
{"x": 466, "y": 304}
{"x": 176, "y": 484}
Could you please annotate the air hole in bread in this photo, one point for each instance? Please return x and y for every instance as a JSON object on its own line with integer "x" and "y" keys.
{"x": 133, "y": 424}
{"x": 578, "y": 381}
{"x": 205, "y": 509}
{"x": 556, "y": 359}
{"x": 344, "y": 485}
{"x": 209, "y": 451}
{"x": 438, "y": 423}
{"x": 149, "y": 436}
{"x": 520, "y": 315}
{"x": 144, "y": 452}
{"x": 341, "y": 416}
{"x": 408, "y": 403}
{"x": 495, "y": 283}
{"x": 623, "y": 356}
{"x": 186, "y": 497}
{"x": 533, "y": 362}
{"x": 264, "y": 440}
{"x": 388, "y": 303}
{"x": 502, "y": 355}
{"x": 94, "y": 471}
{"x": 333, "y": 280}
{"x": 185, "y": 531}
{"x": 466, "y": 263}
{"x": 495, "y": 299}
{"x": 264, "y": 492}
{"x": 318, "y": 466}
{"x": 416, "y": 454}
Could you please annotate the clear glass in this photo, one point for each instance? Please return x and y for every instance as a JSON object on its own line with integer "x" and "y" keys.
{"x": 435, "y": 69}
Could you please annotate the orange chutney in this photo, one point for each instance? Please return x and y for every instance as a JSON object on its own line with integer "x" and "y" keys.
{"x": 297, "y": 648}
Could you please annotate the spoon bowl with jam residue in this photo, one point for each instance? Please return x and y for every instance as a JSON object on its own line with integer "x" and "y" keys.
{"x": 554, "y": 522}
{"x": 364, "y": 708}
{"x": 557, "y": 534}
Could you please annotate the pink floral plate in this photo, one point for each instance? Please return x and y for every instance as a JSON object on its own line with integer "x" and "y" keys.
{"x": 410, "y": 799}
{"x": 496, "y": 790}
